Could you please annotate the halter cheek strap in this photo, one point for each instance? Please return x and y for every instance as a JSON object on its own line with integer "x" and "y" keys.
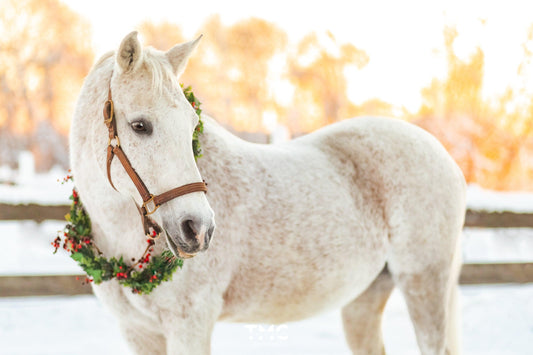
{"x": 150, "y": 202}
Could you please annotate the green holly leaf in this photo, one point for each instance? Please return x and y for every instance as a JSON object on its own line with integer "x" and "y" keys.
{"x": 77, "y": 256}
{"x": 95, "y": 274}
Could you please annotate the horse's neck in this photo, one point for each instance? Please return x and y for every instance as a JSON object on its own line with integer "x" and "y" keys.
{"x": 222, "y": 152}
{"x": 115, "y": 221}
{"x": 225, "y": 166}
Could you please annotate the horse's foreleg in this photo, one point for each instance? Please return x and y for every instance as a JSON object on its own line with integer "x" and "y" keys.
{"x": 190, "y": 339}
{"x": 188, "y": 327}
{"x": 143, "y": 341}
{"x": 362, "y": 317}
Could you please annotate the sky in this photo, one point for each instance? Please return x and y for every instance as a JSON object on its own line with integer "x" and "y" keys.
{"x": 404, "y": 39}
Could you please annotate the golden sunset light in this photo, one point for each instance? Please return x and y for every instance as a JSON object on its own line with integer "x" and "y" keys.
{"x": 461, "y": 70}
{"x": 279, "y": 177}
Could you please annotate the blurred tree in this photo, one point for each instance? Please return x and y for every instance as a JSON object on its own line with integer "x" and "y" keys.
{"x": 318, "y": 75}
{"x": 44, "y": 55}
{"x": 487, "y": 140}
{"x": 461, "y": 92}
{"x": 238, "y": 58}
{"x": 230, "y": 67}
{"x": 515, "y": 108}
{"x": 162, "y": 36}
{"x": 231, "y": 72}
{"x": 453, "y": 109}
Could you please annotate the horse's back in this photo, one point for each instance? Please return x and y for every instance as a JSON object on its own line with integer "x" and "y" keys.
{"x": 396, "y": 154}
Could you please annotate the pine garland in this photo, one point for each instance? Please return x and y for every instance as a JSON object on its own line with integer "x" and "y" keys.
{"x": 195, "y": 103}
{"x": 145, "y": 274}
{"x": 148, "y": 271}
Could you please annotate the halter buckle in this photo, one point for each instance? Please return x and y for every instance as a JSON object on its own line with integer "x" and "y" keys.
{"x": 109, "y": 111}
{"x": 153, "y": 206}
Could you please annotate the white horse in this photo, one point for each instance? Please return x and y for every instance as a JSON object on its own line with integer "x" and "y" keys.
{"x": 336, "y": 218}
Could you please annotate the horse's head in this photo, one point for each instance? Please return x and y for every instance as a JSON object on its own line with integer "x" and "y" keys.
{"x": 155, "y": 123}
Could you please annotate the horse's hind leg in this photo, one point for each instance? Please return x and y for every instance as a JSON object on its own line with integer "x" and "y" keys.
{"x": 362, "y": 317}
{"x": 431, "y": 297}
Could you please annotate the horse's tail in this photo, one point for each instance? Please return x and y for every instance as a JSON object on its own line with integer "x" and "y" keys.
{"x": 453, "y": 330}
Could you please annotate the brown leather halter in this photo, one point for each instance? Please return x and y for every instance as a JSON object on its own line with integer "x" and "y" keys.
{"x": 150, "y": 202}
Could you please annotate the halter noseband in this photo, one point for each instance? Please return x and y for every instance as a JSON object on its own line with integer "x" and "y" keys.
{"x": 150, "y": 202}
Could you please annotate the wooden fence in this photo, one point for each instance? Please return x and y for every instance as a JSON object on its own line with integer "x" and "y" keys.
{"x": 471, "y": 274}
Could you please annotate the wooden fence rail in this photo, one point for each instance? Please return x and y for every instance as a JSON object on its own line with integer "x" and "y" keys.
{"x": 33, "y": 212}
{"x": 481, "y": 219}
{"x": 46, "y": 285}
{"x": 51, "y": 285}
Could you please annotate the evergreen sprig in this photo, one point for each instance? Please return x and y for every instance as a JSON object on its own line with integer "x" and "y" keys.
{"x": 195, "y": 103}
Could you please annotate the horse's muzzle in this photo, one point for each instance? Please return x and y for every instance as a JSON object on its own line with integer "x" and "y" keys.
{"x": 191, "y": 236}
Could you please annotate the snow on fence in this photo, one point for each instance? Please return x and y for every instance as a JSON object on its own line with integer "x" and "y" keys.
{"x": 41, "y": 285}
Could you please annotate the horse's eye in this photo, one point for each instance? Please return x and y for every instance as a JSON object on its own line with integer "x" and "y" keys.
{"x": 141, "y": 127}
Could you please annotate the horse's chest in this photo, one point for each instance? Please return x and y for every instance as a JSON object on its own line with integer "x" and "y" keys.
{"x": 128, "y": 307}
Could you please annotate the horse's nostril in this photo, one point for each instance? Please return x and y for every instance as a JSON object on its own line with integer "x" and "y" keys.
{"x": 189, "y": 230}
{"x": 210, "y": 232}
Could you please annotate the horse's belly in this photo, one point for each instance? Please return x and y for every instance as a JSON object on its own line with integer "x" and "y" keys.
{"x": 296, "y": 291}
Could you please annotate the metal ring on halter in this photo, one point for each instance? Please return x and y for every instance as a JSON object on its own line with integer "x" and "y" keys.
{"x": 151, "y": 236}
{"x": 115, "y": 138}
{"x": 155, "y": 206}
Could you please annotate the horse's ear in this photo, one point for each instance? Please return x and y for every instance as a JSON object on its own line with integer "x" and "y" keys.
{"x": 179, "y": 55}
{"x": 129, "y": 53}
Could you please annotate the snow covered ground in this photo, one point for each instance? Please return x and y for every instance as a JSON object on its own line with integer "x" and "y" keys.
{"x": 496, "y": 319}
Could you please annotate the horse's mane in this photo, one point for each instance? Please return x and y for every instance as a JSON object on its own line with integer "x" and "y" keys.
{"x": 102, "y": 59}
{"x": 154, "y": 61}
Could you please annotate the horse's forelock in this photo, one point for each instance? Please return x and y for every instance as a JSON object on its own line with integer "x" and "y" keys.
{"x": 159, "y": 67}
